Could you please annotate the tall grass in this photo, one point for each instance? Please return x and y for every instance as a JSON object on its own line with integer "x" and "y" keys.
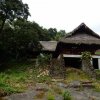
{"x": 15, "y": 78}
{"x": 76, "y": 74}
{"x": 19, "y": 76}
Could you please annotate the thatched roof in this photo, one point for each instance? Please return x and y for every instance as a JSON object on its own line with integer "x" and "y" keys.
{"x": 48, "y": 45}
{"x": 81, "y": 35}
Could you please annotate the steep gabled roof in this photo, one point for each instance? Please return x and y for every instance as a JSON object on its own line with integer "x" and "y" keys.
{"x": 83, "y": 28}
{"x": 81, "y": 35}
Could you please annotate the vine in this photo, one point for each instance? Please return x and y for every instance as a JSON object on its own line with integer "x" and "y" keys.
{"x": 86, "y": 64}
{"x": 86, "y": 55}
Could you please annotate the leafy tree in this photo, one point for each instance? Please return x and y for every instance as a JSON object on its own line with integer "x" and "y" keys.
{"x": 6, "y": 47}
{"x": 56, "y": 35}
{"x": 12, "y": 9}
{"x": 27, "y": 36}
{"x": 18, "y": 36}
{"x": 60, "y": 34}
{"x": 52, "y": 33}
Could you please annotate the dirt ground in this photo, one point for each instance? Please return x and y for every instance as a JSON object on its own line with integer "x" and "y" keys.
{"x": 35, "y": 93}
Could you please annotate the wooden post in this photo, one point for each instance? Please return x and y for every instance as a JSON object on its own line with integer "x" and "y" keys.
{"x": 99, "y": 63}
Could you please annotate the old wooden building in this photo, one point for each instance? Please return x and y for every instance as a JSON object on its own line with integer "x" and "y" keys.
{"x": 74, "y": 43}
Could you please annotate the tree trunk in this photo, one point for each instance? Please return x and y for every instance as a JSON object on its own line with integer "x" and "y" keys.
{"x": 1, "y": 29}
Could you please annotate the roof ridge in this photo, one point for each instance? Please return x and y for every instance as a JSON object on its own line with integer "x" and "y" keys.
{"x": 83, "y": 27}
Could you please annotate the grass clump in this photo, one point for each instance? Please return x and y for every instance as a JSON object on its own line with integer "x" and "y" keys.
{"x": 97, "y": 74}
{"x": 43, "y": 79}
{"x": 66, "y": 95}
{"x": 76, "y": 74}
{"x": 50, "y": 96}
{"x": 97, "y": 71}
{"x": 7, "y": 89}
{"x": 6, "y": 86}
{"x": 56, "y": 89}
{"x": 97, "y": 86}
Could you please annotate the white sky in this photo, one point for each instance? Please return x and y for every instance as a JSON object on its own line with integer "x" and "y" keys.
{"x": 65, "y": 14}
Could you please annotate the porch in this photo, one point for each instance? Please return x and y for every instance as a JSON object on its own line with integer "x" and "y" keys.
{"x": 75, "y": 61}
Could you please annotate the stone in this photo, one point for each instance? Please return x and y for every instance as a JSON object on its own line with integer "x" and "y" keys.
{"x": 75, "y": 84}
{"x": 41, "y": 87}
{"x": 62, "y": 85}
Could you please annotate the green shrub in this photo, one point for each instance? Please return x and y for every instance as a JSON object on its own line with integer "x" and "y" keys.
{"x": 50, "y": 97}
{"x": 44, "y": 78}
{"x": 96, "y": 86}
{"x": 67, "y": 95}
{"x": 7, "y": 88}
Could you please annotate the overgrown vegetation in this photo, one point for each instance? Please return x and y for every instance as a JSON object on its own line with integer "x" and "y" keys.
{"x": 86, "y": 55}
{"x": 43, "y": 60}
{"x": 21, "y": 75}
{"x": 50, "y": 96}
{"x": 18, "y": 36}
{"x": 96, "y": 86}
{"x": 67, "y": 95}
{"x": 87, "y": 66}
{"x": 19, "y": 39}
{"x": 15, "y": 77}
{"x": 76, "y": 74}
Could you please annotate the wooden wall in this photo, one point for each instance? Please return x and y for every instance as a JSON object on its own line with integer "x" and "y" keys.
{"x": 75, "y": 48}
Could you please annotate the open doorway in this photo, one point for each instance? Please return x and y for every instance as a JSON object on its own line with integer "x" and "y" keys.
{"x": 95, "y": 63}
{"x": 73, "y": 62}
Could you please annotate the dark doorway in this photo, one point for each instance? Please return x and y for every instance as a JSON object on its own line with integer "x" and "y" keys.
{"x": 95, "y": 63}
{"x": 72, "y": 62}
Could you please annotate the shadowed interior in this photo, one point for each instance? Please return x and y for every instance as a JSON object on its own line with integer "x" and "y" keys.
{"x": 95, "y": 63}
{"x": 72, "y": 62}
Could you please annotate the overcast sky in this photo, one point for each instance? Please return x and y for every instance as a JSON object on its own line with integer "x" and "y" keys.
{"x": 65, "y": 14}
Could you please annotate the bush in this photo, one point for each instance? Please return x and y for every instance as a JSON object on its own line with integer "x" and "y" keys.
{"x": 50, "y": 97}
{"x": 7, "y": 88}
{"x": 67, "y": 95}
{"x": 96, "y": 86}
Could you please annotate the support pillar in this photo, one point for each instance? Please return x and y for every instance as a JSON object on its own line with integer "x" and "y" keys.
{"x": 91, "y": 61}
{"x": 99, "y": 63}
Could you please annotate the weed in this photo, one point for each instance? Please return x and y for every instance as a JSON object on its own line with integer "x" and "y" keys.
{"x": 66, "y": 95}
{"x": 57, "y": 89}
{"x": 50, "y": 96}
{"x": 97, "y": 86}
{"x": 7, "y": 88}
{"x": 97, "y": 74}
{"x": 13, "y": 80}
{"x": 19, "y": 76}
{"x": 76, "y": 74}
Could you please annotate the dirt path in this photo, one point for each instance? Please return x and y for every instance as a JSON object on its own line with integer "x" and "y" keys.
{"x": 84, "y": 94}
